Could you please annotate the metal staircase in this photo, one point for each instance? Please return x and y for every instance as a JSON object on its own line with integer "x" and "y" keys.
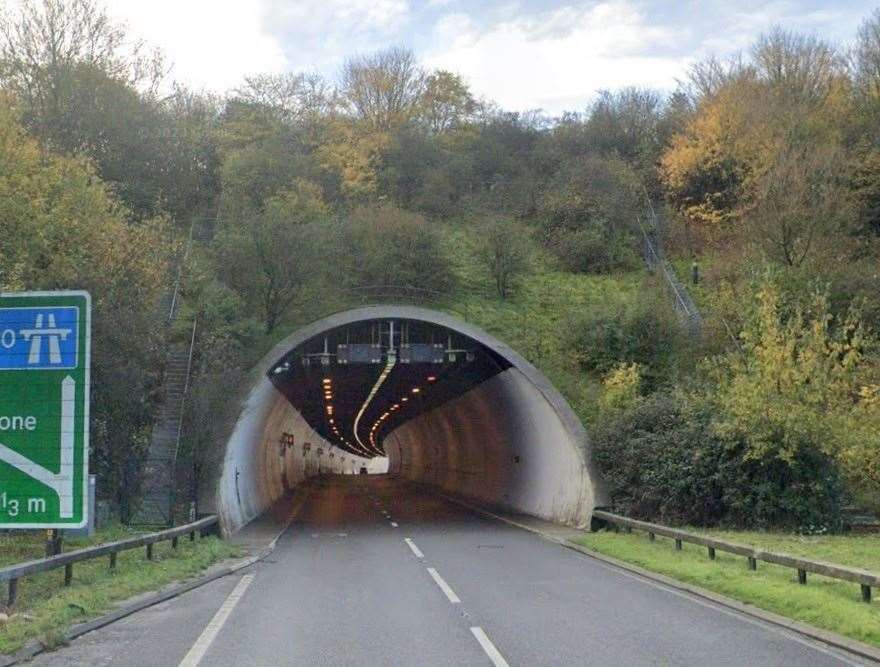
{"x": 656, "y": 260}
{"x": 160, "y": 468}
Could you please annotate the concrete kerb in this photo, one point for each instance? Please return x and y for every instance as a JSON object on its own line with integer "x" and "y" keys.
{"x": 829, "y": 639}
{"x": 35, "y": 648}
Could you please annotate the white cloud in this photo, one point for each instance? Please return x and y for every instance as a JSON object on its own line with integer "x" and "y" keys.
{"x": 318, "y": 33}
{"x": 557, "y": 59}
{"x": 211, "y": 44}
{"x": 552, "y": 54}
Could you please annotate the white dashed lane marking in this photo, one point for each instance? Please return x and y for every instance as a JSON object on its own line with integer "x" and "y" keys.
{"x": 413, "y": 547}
{"x": 493, "y": 653}
{"x": 450, "y": 594}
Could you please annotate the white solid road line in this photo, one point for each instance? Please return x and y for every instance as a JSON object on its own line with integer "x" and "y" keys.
{"x": 453, "y": 598}
{"x": 496, "y": 658}
{"x": 203, "y": 643}
{"x": 413, "y": 547}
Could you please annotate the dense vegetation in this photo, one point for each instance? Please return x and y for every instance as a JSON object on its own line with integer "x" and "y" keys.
{"x": 298, "y": 191}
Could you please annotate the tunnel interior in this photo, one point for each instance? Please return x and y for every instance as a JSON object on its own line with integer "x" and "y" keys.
{"x": 358, "y": 383}
{"x": 416, "y": 394}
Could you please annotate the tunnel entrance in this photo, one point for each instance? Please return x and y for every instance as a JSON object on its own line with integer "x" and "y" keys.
{"x": 415, "y": 393}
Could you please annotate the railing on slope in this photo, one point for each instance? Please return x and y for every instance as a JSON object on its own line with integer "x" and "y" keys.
{"x": 655, "y": 258}
{"x": 864, "y": 578}
{"x": 13, "y": 573}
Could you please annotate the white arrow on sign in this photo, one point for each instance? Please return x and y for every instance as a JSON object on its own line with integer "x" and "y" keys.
{"x": 62, "y": 482}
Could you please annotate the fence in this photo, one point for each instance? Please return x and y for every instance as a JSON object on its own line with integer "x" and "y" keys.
{"x": 13, "y": 573}
{"x": 864, "y": 578}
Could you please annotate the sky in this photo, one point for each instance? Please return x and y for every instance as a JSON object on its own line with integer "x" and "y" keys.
{"x": 552, "y": 55}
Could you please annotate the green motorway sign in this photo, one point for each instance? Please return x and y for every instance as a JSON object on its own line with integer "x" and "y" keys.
{"x": 45, "y": 341}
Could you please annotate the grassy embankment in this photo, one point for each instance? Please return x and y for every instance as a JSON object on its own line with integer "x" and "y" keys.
{"x": 45, "y": 608}
{"x": 824, "y": 603}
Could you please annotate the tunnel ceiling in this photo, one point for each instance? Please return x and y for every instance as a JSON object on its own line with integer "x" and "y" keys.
{"x": 356, "y": 383}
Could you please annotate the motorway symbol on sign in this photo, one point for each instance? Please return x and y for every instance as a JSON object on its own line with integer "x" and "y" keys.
{"x": 44, "y": 409}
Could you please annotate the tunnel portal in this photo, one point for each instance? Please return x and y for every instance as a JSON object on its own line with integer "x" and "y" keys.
{"x": 419, "y": 394}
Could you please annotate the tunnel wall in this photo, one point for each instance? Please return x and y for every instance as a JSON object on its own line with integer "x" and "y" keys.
{"x": 257, "y": 471}
{"x": 501, "y": 444}
{"x": 463, "y": 447}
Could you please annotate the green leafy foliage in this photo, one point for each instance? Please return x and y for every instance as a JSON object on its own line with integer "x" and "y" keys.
{"x": 641, "y": 330}
{"x": 664, "y": 460}
{"x": 384, "y": 246}
{"x": 506, "y": 249}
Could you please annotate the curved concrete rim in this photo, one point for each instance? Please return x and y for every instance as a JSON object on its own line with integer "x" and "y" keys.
{"x": 377, "y": 312}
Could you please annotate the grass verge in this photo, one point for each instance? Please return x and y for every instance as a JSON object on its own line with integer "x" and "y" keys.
{"x": 824, "y": 603}
{"x": 46, "y": 609}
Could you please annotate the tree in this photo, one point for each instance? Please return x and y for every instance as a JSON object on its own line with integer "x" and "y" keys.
{"x": 353, "y": 153}
{"x": 296, "y": 98}
{"x": 446, "y": 102}
{"x": 269, "y": 256}
{"x": 62, "y": 229}
{"x": 589, "y": 210}
{"x": 383, "y": 88}
{"x": 506, "y": 250}
{"x": 865, "y": 60}
{"x": 799, "y": 201}
{"x": 802, "y": 69}
{"x": 791, "y": 386}
{"x": 43, "y": 44}
{"x": 626, "y": 123}
{"x": 385, "y": 246}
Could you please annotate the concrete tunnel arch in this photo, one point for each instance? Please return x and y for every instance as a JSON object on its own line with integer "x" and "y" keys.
{"x": 511, "y": 442}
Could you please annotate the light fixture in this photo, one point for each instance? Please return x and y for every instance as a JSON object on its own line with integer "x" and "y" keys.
{"x": 432, "y": 378}
{"x": 416, "y": 390}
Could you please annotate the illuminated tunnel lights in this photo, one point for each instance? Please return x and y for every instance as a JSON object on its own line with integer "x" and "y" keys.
{"x": 383, "y": 376}
{"x": 394, "y": 408}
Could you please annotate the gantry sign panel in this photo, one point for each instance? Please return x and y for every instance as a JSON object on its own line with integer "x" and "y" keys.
{"x": 45, "y": 341}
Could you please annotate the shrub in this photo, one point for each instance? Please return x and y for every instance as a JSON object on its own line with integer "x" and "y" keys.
{"x": 664, "y": 461}
{"x": 644, "y": 331}
{"x": 589, "y": 209}
{"x": 621, "y": 388}
{"x": 592, "y": 248}
{"x": 382, "y": 245}
{"x": 506, "y": 250}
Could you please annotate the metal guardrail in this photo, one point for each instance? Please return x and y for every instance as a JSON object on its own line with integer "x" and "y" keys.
{"x": 13, "y": 573}
{"x": 865, "y": 578}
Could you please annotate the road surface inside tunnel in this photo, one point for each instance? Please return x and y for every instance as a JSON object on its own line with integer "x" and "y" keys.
{"x": 375, "y": 571}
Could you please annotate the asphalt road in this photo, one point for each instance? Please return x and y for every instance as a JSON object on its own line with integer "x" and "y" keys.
{"x": 374, "y": 572}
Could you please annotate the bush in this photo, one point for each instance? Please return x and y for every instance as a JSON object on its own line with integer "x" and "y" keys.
{"x": 643, "y": 331}
{"x": 589, "y": 209}
{"x": 592, "y": 249}
{"x": 664, "y": 461}
{"x": 505, "y": 249}
{"x": 384, "y": 246}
